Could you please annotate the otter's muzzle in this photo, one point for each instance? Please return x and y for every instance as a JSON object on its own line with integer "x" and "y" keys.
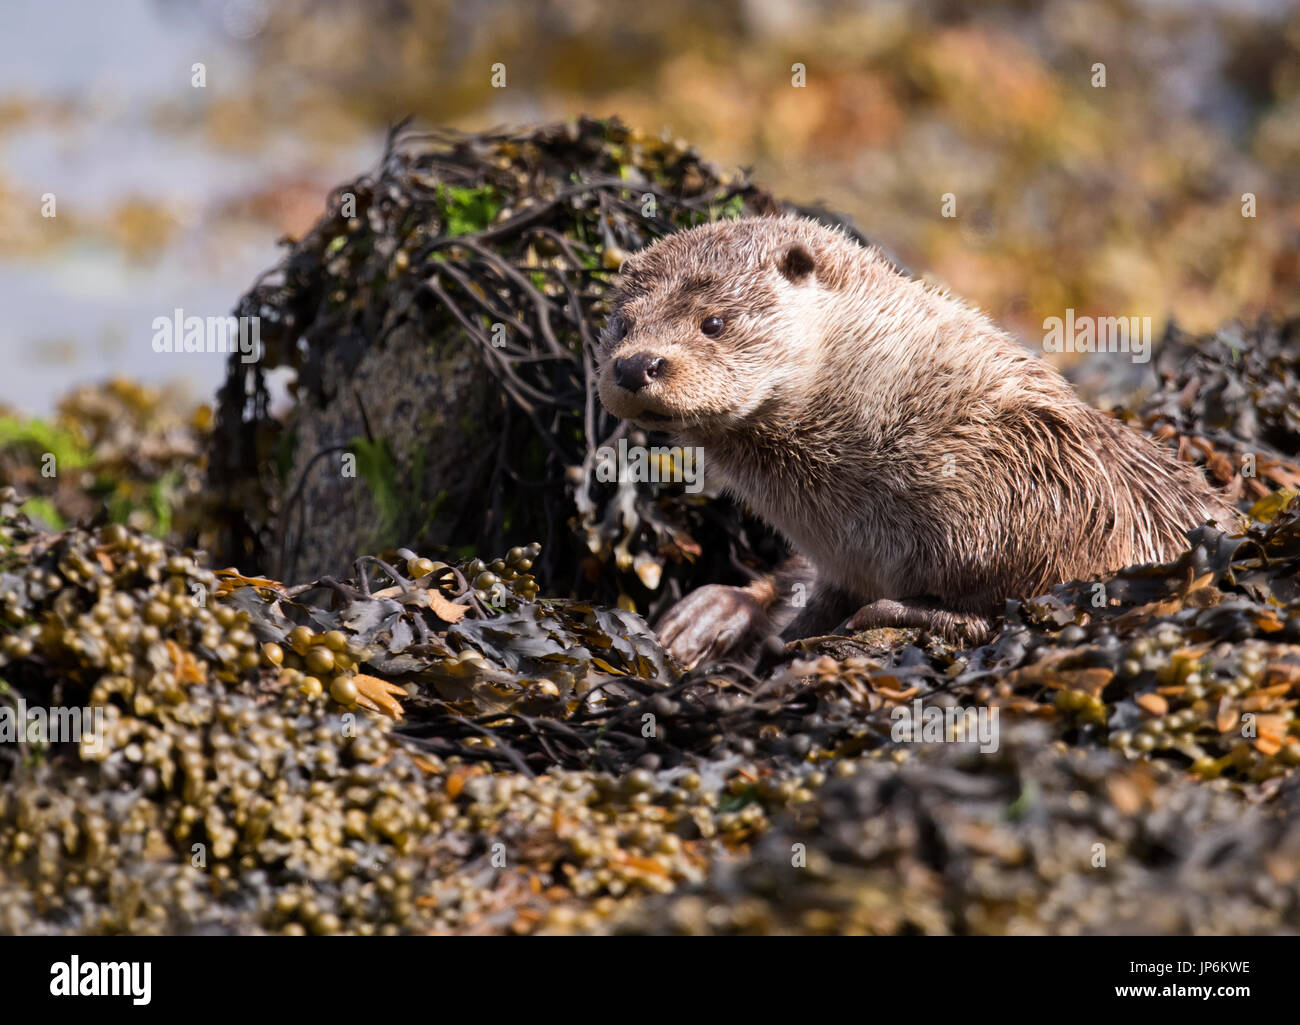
{"x": 635, "y": 372}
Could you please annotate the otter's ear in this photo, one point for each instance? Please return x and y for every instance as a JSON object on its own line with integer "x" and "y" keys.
{"x": 796, "y": 263}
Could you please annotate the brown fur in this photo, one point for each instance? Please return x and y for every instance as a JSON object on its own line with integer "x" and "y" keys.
{"x": 902, "y": 442}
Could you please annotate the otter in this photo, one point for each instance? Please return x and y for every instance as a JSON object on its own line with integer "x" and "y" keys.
{"x": 923, "y": 465}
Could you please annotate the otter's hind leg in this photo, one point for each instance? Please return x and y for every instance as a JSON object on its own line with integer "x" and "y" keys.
{"x": 962, "y": 628}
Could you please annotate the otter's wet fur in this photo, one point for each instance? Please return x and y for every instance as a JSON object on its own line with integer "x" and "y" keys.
{"x": 926, "y": 465}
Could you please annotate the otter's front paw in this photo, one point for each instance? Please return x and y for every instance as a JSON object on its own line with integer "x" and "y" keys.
{"x": 713, "y": 622}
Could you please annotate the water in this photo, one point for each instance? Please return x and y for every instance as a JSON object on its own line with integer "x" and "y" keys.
{"x": 111, "y": 123}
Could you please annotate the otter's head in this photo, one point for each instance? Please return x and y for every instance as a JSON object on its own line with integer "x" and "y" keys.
{"x": 710, "y": 325}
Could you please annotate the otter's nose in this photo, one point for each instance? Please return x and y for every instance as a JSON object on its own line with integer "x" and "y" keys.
{"x": 635, "y": 372}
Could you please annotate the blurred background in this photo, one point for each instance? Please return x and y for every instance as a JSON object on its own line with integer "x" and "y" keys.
{"x": 1117, "y": 200}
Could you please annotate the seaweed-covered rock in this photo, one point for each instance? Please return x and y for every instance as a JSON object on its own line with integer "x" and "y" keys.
{"x": 438, "y": 325}
{"x": 426, "y": 746}
{"x": 117, "y": 451}
{"x": 1033, "y": 839}
{"x": 1228, "y": 400}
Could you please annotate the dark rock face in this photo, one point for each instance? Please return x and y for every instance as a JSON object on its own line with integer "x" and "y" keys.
{"x": 432, "y": 402}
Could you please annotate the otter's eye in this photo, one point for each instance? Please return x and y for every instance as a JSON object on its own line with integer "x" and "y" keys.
{"x": 616, "y": 330}
{"x": 712, "y": 326}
